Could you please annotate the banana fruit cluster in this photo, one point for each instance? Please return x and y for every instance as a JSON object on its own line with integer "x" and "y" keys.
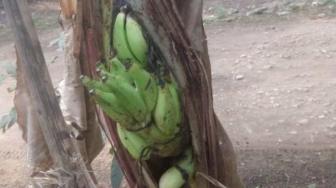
{"x": 146, "y": 107}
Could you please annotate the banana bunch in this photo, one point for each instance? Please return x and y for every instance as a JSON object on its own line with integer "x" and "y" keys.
{"x": 179, "y": 174}
{"x": 127, "y": 95}
{"x": 146, "y": 106}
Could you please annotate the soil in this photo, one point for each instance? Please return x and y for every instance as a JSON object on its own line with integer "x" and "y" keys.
{"x": 274, "y": 86}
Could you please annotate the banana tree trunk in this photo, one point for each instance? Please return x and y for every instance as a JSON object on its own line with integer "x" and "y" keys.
{"x": 179, "y": 34}
{"x": 175, "y": 28}
{"x": 38, "y": 89}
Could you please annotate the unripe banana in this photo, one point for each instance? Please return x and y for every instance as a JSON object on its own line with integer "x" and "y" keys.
{"x": 146, "y": 85}
{"x": 120, "y": 40}
{"x": 128, "y": 40}
{"x": 115, "y": 65}
{"x": 139, "y": 78}
{"x": 109, "y": 99}
{"x": 93, "y": 84}
{"x": 137, "y": 147}
{"x": 111, "y": 106}
{"x": 136, "y": 40}
{"x": 155, "y": 135}
{"x": 181, "y": 173}
{"x": 167, "y": 112}
{"x": 129, "y": 98}
{"x": 119, "y": 75}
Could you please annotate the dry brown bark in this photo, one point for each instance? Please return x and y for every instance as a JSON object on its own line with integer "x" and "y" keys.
{"x": 76, "y": 110}
{"x": 43, "y": 100}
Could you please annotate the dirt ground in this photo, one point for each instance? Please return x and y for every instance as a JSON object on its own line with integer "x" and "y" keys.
{"x": 274, "y": 89}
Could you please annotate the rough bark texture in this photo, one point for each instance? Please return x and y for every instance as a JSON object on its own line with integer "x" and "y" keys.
{"x": 39, "y": 91}
{"x": 37, "y": 150}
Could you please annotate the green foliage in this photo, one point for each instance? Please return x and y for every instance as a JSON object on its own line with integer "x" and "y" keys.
{"x": 59, "y": 42}
{"x": 8, "y": 120}
{"x": 9, "y": 67}
{"x": 116, "y": 174}
{"x": 221, "y": 12}
{"x": 328, "y": 2}
{"x": 312, "y": 185}
{"x": 45, "y": 20}
{"x": 10, "y": 70}
{"x": 2, "y": 78}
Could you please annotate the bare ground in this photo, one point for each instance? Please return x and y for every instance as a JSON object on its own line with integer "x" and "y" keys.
{"x": 274, "y": 88}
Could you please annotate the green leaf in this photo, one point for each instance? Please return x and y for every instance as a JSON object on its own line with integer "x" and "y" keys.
{"x": 8, "y": 120}
{"x": 3, "y": 122}
{"x": 10, "y": 68}
{"x": 59, "y": 42}
{"x": 312, "y": 185}
{"x": 116, "y": 174}
{"x": 2, "y": 78}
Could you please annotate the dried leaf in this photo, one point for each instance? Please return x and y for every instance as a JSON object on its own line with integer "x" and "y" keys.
{"x": 10, "y": 69}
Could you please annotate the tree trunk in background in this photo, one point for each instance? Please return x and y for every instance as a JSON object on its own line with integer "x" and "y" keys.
{"x": 78, "y": 113}
{"x": 64, "y": 152}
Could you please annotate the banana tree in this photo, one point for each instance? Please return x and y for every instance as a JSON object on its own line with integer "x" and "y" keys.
{"x": 172, "y": 44}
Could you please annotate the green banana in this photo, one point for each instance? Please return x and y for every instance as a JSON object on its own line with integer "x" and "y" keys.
{"x": 167, "y": 113}
{"x": 120, "y": 40}
{"x": 117, "y": 75}
{"x": 136, "y": 41}
{"x": 155, "y": 135}
{"x": 109, "y": 99}
{"x": 129, "y": 98}
{"x": 146, "y": 85}
{"x": 110, "y": 105}
{"x": 128, "y": 40}
{"x": 115, "y": 65}
{"x": 173, "y": 177}
{"x": 137, "y": 147}
{"x": 140, "y": 79}
{"x": 93, "y": 84}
